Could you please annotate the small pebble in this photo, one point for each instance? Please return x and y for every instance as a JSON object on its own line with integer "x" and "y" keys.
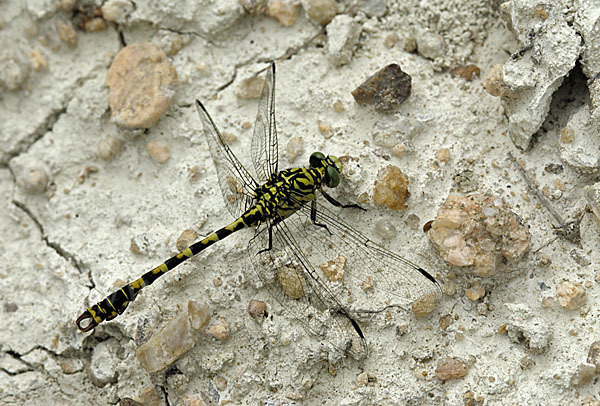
{"x": 170, "y": 42}
{"x": 199, "y": 314}
{"x": 94, "y": 24}
{"x": 373, "y": 8}
{"x": 66, "y": 33}
{"x": 445, "y": 322}
{"x": 386, "y": 89}
{"x": 110, "y": 147}
{"x": 38, "y": 60}
{"x": 540, "y": 12}
{"x": 542, "y": 259}
{"x": 10, "y": 307}
{"x": 159, "y": 151}
{"x": 101, "y": 367}
{"x": 257, "y": 308}
{"x": 567, "y": 134}
{"x": 391, "y": 188}
{"x": 553, "y": 168}
{"x": 410, "y": 45}
{"x": 398, "y": 150}
{"x": 363, "y": 379}
{"x": 494, "y": 82}
{"x": 469, "y": 399}
{"x": 478, "y": 231}
{"x": 450, "y": 288}
{"x": 149, "y": 396}
{"x": 593, "y": 357}
{"x": 431, "y": 45}
{"x": 228, "y": 137}
{"x": 295, "y": 148}
{"x": 548, "y": 302}
{"x": 142, "y": 83}
{"x": 67, "y": 5}
{"x": 292, "y": 282}
{"x": 342, "y": 37}
{"x": 443, "y": 155}
{"x": 191, "y": 400}
{"x": 475, "y": 291}
{"x": 220, "y": 383}
{"x": 589, "y": 400}
{"x": 168, "y": 345}
{"x": 467, "y": 72}
{"x": 70, "y": 366}
{"x": 325, "y": 130}
{"x": 570, "y": 295}
{"x": 391, "y": 40}
{"x": 218, "y": 331}
{"x": 250, "y": 88}
{"x": 592, "y": 195}
{"x": 186, "y": 239}
{"x": 85, "y": 172}
{"x": 338, "y": 106}
{"x": 117, "y": 10}
{"x": 367, "y": 284}
{"x": 526, "y": 362}
{"x": 35, "y": 181}
{"x": 334, "y": 269}
{"x": 14, "y": 67}
{"x": 424, "y": 305}
{"x": 450, "y": 368}
{"x": 254, "y": 6}
{"x": 583, "y": 375}
{"x": 284, "y": 12}
{"x": 134, "y": 247}
{"x": 385, "y": 230}
{"x": 320, "y": 11}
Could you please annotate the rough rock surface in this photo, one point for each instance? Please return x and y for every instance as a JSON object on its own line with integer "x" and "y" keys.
{"x": 76, "y": 190}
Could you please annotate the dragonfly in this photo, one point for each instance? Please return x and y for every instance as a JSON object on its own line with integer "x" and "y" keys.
{"x": 293, "y": 231}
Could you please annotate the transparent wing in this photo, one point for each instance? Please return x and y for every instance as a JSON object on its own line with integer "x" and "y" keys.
{"x": 292, "y": 281}
{"x": 374, "y": 278}
{"x": 264, "y": 149}
{"x": 237, "y": 185}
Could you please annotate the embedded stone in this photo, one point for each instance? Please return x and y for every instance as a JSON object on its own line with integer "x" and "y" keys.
{"x": 142, "y": 84}
{"x": 386, "y": 89}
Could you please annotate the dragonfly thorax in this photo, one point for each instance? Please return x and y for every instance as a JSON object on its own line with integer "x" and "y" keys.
{"x": 288, "y": 190}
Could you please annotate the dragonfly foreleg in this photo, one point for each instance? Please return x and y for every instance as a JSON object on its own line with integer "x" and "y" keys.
{"x": 338, "y": 204}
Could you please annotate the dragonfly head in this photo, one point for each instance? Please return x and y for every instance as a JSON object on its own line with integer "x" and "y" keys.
{"x": 332, "y": 166}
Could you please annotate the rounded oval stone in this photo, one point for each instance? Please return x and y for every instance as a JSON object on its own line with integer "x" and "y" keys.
{"x": 142, "y": 84}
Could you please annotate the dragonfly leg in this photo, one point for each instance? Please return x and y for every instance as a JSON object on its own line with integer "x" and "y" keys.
{"x": 271, "y": 225}
{"x": 338, "y": 204}
{"x": 313, "y": 217}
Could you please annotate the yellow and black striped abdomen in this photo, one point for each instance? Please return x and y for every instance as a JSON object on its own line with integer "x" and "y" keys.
{"x": 280, "y": 197}
{"x": 116, "y": 303}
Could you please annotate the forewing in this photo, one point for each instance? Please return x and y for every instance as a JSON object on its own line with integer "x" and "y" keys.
{"x": 373, "y": 278}
{"x": 264, "y": 149}
{"x": 291, "y": 280}
{"x": 237, "y": 185}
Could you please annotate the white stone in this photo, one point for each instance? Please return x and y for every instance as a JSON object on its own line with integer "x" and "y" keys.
{"x": 342, "y": 36}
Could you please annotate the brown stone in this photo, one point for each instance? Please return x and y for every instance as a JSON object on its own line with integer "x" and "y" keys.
{"x": 142, "y": 85}
{"x": 386, "y": 89}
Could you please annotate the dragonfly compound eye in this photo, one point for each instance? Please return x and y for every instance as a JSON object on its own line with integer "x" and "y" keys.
{"x": 316, "y": 160}
{"x": 332, "y": 176}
